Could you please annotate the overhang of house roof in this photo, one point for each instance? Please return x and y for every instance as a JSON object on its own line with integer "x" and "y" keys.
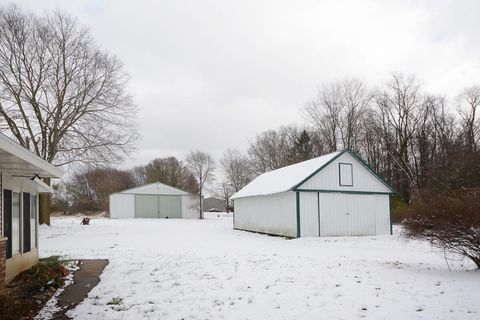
{"x": 19, "y": 161}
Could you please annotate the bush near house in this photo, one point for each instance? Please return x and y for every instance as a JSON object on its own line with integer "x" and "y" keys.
{"x": 31, "y": 289}
{"x": 448, "y": 221}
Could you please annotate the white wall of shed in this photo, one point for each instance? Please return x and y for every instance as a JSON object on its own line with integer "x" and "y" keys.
{"x": 122, "y": 206}
{"x": 273, "y": 214}
{"x": 382, "y": 214}
{"x": 328, "y": 178}
{"x": 190, "y": 207}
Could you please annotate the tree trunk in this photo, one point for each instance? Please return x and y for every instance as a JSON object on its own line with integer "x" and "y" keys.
{"x": 45, "y": 204}
{"x": 201, "y": 206}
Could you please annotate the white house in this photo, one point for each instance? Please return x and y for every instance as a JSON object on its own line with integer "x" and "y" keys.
{"x": 20, "y": 187}
{"x": 337, "y": 194}
{"x": 155, "y": 200}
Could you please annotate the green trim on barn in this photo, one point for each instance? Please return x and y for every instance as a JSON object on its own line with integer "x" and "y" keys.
{"x": 297, "y": 200}
{"x": 390, "y": 209}
{"x": 359, "y": 159}
{"x": 369, "y": 168}
{"x": 294, "y": 188}
{"x": 341, "y": 191}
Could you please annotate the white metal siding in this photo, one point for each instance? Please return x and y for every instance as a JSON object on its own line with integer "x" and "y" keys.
{"x": 344, "y": 214}
{"x": 309, "y": 214}
{"x": 122, "y": 205}
{"x": 333, "y": 218}
{"x": 190, "y": 207}
{"x": 361, "y": 214}
{"x": 382, "y": 214}
{"x": 328, "y": 178}
{"x": 273, "y": 214}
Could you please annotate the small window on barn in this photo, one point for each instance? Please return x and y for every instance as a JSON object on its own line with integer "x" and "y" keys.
{"x": 345, "y": 174}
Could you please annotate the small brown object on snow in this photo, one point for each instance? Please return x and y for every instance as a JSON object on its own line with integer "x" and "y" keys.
{"x": 85, "y": 221}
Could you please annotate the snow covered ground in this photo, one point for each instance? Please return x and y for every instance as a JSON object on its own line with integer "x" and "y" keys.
{"x": 193, "y": 269}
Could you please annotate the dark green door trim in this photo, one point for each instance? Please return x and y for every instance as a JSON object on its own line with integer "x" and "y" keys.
{"x": 390, "y": 209}
{"x": 297, "y": 194}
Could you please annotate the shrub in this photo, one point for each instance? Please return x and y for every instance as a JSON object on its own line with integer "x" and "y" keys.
{"x": 448, "y": 221}
{"x": 399, "y": 208}
{"x": 47, "y": 274}
{"x": 28, "y": 292}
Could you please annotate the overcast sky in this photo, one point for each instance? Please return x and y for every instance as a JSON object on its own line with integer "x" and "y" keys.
{"x": 209, "y": 75}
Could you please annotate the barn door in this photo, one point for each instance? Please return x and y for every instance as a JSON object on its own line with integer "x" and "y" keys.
{"x": 347, "y": 214}
{"x": 333, "y": 214}
{"x": 146, "y": 206}
{"x": 169, "y": 207}
{"x": 361, "y": 215}
{"x": 309, "y": 214}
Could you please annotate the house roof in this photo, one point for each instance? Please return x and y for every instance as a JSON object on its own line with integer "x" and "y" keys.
{"x": 20, "y": 161}
{"x": 291, "y": 177}
{"x": 155, "y": 188}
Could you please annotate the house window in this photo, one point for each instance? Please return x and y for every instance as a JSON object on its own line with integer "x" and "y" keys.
{"x": 7, "y": 220}
{"x": 33, "y": 220}
{"x": 26, "y": 222}
{"x": 15, "y": 223}
{"x": 345, "y": 174}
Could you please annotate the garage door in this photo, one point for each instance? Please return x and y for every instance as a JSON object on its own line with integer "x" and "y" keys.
{"x": 158, "y": 206}
{"x": 346, "y": 214}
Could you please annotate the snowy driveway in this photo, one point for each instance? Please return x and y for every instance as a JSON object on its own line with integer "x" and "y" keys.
{"x": 193, "y": 269}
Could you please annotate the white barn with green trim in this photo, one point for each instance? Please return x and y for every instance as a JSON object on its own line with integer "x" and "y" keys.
{"x": 337, "y": 194}
{"x": 154, "y": 200}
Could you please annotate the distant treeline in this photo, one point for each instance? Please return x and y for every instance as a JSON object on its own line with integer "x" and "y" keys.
{"x": 416, "y": 140}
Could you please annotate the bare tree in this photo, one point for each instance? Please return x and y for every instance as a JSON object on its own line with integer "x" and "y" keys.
{"x": 224, "y": 191}
{"x": 170, "y": 171}
{"x": 138, "y": 174}
{"x": 324, "y": 113}
{"x": 90, "y": 187}
{"x": 60, "y": 95}
{"x": 271, "y": 149}
{"x": 337, "y": 112}
{"x": 399, "y": 113}
{"x": 202, "y": 165}
{"x": 468, "y": 104}
{"x": 236, "y": 169}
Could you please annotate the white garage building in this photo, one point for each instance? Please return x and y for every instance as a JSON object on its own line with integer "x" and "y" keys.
{"x": 155, "y": 200}
{"x": 337, "y": 194}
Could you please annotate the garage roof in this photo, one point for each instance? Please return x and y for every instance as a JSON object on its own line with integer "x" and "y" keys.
{"x": 20, "y": 161}
{"x": 290, "y": 177}
{"x": 156, "y": 188}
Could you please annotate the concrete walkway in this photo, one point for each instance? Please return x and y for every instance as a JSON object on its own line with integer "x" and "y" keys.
{"x": 85, "y": 279}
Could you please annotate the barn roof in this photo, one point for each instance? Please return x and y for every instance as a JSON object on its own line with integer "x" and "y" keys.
{"x": 155, "y": 188}
{"x": 290, "y": 177}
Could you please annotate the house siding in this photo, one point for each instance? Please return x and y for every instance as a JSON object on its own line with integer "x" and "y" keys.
{"x": 23, "y": 260}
